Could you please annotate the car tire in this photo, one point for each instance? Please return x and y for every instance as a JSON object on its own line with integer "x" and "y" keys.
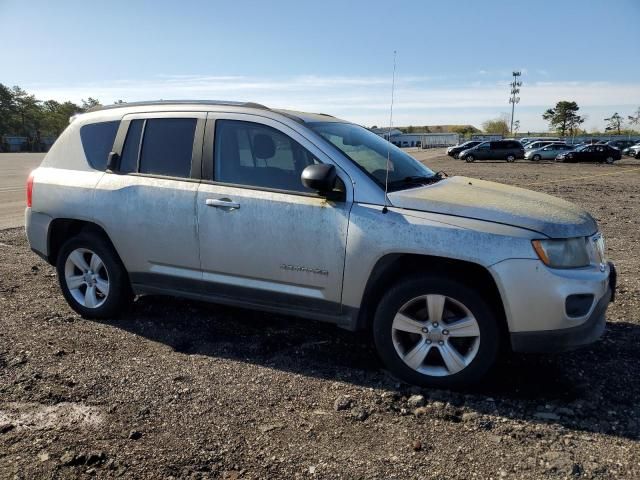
{"x": 469, "y": 159}
{"x": 470, "y": 352}
{"x": 511, "y": 158}
{"x": 93, "y": 279}
{"x": 456, "y": 156}
{"x": 609, "y": 160}
{"x": 536, "y": 158}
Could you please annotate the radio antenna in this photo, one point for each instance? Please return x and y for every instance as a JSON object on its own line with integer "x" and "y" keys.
{"x": 386, "y": 177}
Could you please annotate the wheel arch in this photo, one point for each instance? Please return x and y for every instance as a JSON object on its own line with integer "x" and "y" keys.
{"x": 392, "y": 267}
{"x": 61, "y": 229}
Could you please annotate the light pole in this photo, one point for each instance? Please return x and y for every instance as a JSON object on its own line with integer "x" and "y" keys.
{"x": 514, "y": 98}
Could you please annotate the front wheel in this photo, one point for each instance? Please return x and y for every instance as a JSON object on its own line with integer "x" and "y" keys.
{"x": 92, "y": 278}
{"x": 536, "y": 158}
{"x": 469, "y": 158}
{"x": 609, "y": 160}
{"x": 435, "y": 331}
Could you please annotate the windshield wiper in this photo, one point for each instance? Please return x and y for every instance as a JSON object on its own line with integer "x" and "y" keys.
{"x": 414, "y": 180}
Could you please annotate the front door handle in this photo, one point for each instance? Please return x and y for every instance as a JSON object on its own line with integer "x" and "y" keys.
{"x": 224, "y": 203}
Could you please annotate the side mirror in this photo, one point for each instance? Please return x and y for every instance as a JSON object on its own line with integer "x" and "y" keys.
{"x": 321, "y": 178}
{"x": 112, "y": 161}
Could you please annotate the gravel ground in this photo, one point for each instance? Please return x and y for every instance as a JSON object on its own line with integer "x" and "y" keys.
{"x": 190, "y": 390}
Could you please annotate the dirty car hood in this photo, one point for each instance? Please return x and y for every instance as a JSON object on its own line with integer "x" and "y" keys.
{"x": 495, "y": 202}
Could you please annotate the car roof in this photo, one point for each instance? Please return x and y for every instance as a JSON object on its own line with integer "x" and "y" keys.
{"x": 145, "y": 106}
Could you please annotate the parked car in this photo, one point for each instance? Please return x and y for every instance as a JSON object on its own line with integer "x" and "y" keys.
{"x": 539, "y": 144}
{"x": 591, "y": 153}
{"x": 498, "y": 150}
{"x": 527, "y": 140}
{"x": 286, "y": 212}
{"x": 622, "y": 144}
{"x": 633, "y": 151}
{"x": 548, "y": 152}
{"x": 456, "y": 149}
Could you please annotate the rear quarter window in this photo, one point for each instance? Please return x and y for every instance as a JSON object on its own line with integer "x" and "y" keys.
{"x": 97, "y": 141}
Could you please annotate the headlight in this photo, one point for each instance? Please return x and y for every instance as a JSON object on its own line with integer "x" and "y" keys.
{"x": 564, "y": 253}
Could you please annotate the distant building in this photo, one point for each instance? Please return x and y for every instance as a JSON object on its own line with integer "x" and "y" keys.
{"x": 486, "y": 137}
{"x": 419, "y": 139}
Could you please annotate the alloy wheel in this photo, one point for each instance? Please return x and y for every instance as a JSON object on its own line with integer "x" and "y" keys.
{"x": 435, "y": 335}
{"x": 86, "y": 278}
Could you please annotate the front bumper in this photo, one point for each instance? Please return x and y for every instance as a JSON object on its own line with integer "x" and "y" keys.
{"x": 535, "y": 302}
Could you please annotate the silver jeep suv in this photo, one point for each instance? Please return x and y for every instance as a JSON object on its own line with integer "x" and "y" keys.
{"x": 284, "y": 211}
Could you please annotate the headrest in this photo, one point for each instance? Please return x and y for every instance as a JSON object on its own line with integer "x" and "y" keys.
{"x": 263, "y": 146}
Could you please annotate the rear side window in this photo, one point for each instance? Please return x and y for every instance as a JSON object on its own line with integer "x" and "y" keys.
{"x": 166, "y": 146}
{"x": 159, "y": 146}
{"x": 131, "y": 148}
{"x": 97, "y": 141}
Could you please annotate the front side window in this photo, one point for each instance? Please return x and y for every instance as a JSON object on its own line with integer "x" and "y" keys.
{"x": 97, "y": 141}
{"x": 247, "y": 153}
{"x": 371, "y": 152}
{"x": 159, "y": 146}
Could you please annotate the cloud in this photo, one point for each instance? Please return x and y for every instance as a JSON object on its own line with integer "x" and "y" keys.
{"x": 419, "y": 100}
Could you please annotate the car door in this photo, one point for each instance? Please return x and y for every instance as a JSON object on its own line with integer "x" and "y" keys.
{"x": 147, "y": 202}
{"x": 264, "y": 237}
{"x": 496, "y": 151}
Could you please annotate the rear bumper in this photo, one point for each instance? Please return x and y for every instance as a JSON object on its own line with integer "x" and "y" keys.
{"x": 37, "y": 230}
{"x": 569, "y": 338}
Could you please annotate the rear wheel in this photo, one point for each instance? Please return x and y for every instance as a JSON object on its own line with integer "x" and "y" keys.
{"x": 435, "y": 331}
{"x": 92, "y": 278}
{"x": 469, "y": 158}
{"x": 511, "y": 158}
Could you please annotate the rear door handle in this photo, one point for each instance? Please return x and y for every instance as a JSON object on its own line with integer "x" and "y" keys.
{"x": 224, "y": 203}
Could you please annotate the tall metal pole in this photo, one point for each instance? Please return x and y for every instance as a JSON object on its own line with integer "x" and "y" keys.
{"x": 514, "y": 98}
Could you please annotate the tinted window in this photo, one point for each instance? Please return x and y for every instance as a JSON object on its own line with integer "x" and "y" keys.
{"x": 166, "y": 146}
{"x": 497, "y": 145}
{"x": 249, "y": 153}
{"x": 97, "y": 142}
{"x": 131, "y": 148}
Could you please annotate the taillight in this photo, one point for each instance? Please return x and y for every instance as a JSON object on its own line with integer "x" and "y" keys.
{"x": 30, "y": 189}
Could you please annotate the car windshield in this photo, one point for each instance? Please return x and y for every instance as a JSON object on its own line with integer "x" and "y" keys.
{"x": 369, "y": 151}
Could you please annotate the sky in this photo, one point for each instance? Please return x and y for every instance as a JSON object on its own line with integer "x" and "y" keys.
{"x": 453, "y": 64}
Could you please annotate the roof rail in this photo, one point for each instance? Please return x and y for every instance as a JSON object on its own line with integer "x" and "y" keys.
{"x": 177, "y": 102}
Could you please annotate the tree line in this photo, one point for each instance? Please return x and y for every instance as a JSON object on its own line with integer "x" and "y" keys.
{"x": 22, "y": 114}
{"x": 565, "y": 120}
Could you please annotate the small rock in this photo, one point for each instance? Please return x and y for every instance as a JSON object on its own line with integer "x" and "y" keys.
{"x": 269, "y": 427}
{"x": 416, "y": 445}
{"x": 69, "y": 458}
{"x": 60, "y": 353}
{"x": 416, "y": 401}
{"x": 469, "y": 416}
{"x": 360, "y": 414}
{"x": 135, "y": 435}
{"x": 43, "y": 457}
{"x": 342, "y": 403}
{"x": 312, "y": 469}
{"x": 420, "y": 411}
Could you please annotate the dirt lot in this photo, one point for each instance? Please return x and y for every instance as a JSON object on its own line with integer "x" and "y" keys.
{"x": 190, "y": 390}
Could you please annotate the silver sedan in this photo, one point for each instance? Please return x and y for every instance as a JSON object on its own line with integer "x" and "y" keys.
{"x": 548, "y": 152}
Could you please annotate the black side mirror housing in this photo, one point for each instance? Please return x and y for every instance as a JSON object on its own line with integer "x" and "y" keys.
{"x": 321, "y": 178}
{"x": 112, "y": 161}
